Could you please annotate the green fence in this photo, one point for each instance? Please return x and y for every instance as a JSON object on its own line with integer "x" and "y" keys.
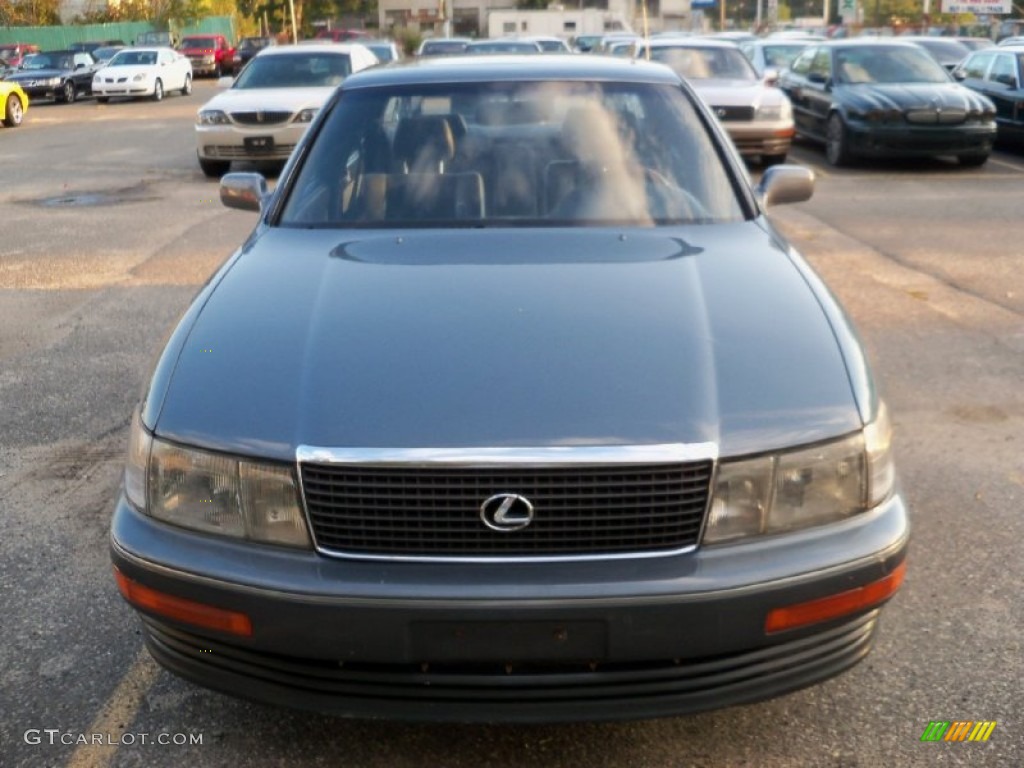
{"x": 59, "y": 38}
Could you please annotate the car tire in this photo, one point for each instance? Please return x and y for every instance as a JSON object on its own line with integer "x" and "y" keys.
{"x": 837, "y": 141}
{"x": 214, "y": 169}
{"x": 14, "y": 113}
{"x": 102, "y": 99}
{"x": 973, "y": 161}
{"x": 186, "y": 89}
{"x": 218, "y": 71}
{"x": 158, "y": 90}
{"x": 769, "y": 160}
{"x": 67, "y": 93}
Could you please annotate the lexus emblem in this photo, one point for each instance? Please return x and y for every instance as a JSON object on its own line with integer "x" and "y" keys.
{"x": 506, "y": 512}
{"x": 259, "y": 116}
{"x": 721, "y": 112}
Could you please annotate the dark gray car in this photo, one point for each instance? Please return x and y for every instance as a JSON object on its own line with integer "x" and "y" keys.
{"x": 513, "y": 407}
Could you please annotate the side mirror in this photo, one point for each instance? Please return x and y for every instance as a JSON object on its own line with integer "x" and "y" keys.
{"x": 771, "y": 75}
{"x": 244, "y": 191}
{"x": 783, "y": 184}
{"x": 226, "y": 82}
{"x": 959, "y": 74}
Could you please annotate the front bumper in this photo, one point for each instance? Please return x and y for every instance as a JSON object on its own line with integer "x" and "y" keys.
{"x": 905, "y": 141}
{"x": 760, "y": 137}
{"x": 229, "y": 142}
{"x": 530, "y": 642}
{"x": 122, "y": 89}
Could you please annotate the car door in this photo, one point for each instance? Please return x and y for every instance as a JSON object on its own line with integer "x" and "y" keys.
{"x": 1003, "y": 86}
{"x": 84, "y": 68}
{"x": 794, "y": 83}
{"x": 818, "y": 91}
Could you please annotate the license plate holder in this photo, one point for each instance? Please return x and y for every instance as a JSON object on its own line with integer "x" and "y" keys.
{"x": 500, "y": 641}
{"x": 259, "y": 145}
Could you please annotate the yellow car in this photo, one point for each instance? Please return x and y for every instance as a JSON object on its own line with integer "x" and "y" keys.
{"x": 13, "y": 104}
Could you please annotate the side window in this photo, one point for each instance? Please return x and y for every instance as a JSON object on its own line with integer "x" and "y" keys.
{"x": 822, "y": 63}
{"x": 1004, "y": 71}
{"x": 976, "y": 65}
{"x": 802, "y": 65}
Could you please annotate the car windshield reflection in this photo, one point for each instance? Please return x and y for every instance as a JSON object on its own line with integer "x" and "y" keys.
{"x": 887, "y": 64}
{"x": 513, "y": 155}
{"x": 298, "y": 70}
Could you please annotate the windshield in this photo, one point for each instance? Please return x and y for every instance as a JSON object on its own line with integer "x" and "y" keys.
{"x": 781, "y": 56}
{"x": 253, "y": 43}
{"x": 103, "y": 54}
{"x": 441, "y": 47}
{"x": 887, "y": 64}
{"x": 47, "y": 61}
{"x": 512, "y": 154}
{"x": 312, "y": 69}
{"x": 705, "y": 63}
{"x": 133, "y": 59}
{"x": 198, "y": 42}
{"x": 383, "y": 51}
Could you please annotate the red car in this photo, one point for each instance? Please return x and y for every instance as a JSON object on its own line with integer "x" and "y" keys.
{"x": 209, "y": 54}
{"x": 13, "y": 53}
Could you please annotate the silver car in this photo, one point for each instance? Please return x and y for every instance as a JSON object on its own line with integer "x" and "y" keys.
{"x": 757, "y": 116}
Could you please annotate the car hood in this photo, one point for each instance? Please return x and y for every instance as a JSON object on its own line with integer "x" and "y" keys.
{"x": 910, "y": 96}
{"x": 251, "y": 99}
{"x": 36, "y": 74}
{"x": 539, "y": 338}
{"x": 736, "y": 93}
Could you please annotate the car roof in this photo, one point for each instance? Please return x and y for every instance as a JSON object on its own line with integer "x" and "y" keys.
{"x": 514, "y": 68}
{"x": 287, "y": 50}
{"x": 870, "y": 42}
{"x": 691, "y": 42}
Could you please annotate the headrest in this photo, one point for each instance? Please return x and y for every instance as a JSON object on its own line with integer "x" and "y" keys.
{"x": 590, "y": 133}
{"x": 425, "y": 140}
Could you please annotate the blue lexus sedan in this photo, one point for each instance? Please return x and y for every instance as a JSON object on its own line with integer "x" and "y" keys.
{"x": 513, "y": 407}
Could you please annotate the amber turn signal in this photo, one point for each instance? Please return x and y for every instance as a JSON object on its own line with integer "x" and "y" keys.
{"x": 183, "y": 610}
{"x": 835, "y": 606}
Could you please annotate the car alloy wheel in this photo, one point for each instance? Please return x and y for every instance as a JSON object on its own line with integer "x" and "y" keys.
{"x": 68, "y": 93}
{"x": 14, "y": 112}
{"x": 186, "y": 89}
{"x": 158, "y": 90}
{"x": 837, "y": 150}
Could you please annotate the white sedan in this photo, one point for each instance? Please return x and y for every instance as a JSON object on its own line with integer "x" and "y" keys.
{"x": 143, "y": 72}
{"x": 272, "y": 102}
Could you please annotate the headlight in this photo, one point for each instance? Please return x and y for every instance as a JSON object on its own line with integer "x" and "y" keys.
{"x": 781, "y": 111}
{"x": 53, "y": 81}
{"x": 803, "y": 488}
{"x": 138, "y": 78}
{"x": 213, "y": 493}
{"x": 208, "y": 59}
{"x": 212, "y": 117}
{"x": 306, "y": 115}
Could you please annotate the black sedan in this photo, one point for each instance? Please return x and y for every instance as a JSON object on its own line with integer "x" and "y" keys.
{"x": 59, "y": 75}
{"x": 886, "y": 99}
{"x": 529, "y": 418}
{"x": 999, "y": 74}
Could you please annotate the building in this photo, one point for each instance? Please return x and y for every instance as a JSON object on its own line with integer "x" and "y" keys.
{"x": 470, "y": 17}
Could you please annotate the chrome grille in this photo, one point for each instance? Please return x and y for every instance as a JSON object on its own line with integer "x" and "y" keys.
{"x": 227, "y": 151}
{"x": 435, "y": 511}
{"x": 261, "y": 118}
{"x": 936, "y": 116}
{"x": 733, "y": 113}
